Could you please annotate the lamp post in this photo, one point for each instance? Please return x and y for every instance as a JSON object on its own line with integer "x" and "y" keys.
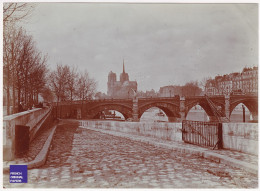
{"x": 244, "y": 117}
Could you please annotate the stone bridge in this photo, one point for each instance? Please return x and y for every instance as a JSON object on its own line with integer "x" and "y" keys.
{"x": 176, "y": 108}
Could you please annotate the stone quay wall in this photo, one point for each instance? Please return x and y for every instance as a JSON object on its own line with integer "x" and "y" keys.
{"x": 241, "y": 137}
{"x": 166, "y": 131}
{"x": 32, "y": 118}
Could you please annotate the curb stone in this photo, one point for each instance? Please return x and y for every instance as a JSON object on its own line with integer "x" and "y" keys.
{"x": 196, "y": 151}
{"x": 40, "y": 159}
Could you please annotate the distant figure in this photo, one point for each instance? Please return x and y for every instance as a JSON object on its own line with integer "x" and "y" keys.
{"x": 20, "y": 107}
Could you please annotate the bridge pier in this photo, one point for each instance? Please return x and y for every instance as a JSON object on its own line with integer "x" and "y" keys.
{"x": 227, "y": 106}
{"x": 78, "y": 113}
{"x": 182, "y": 108}
{"x": 135, "y": 110}
{"x": 172, "y": 119}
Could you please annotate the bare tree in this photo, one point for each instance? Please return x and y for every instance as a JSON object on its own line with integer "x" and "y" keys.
{"x": 66, "y": 83}
{"x": 13, "y": 45}
{"x": 47, "y": 94}
{"x": 203, "y": 83}
{"x": 25, "y": 66}
{"x": 72, "y": 83}
{"x": 37, "y": 77}
{"x": 191, "y": 89}
{"x": 13, "y": 38}
{"x": 59, "y": 80}
{"x": 14, "y": 12}
{"x": 24, "y": 69}
{"x": 7, "y": 68}
{"x": 86, "y": 86}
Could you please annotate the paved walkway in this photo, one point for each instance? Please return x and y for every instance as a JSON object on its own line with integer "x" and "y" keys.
{"x": 90, "y": 159}
{"x": 232, "y": 155}
{"x": 233, "y": 158}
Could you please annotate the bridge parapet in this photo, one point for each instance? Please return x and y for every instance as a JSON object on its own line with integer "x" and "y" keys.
{"x": 108, "y": 100}
{"x": 159, "y": 98}
{"x": 75, "y": 102}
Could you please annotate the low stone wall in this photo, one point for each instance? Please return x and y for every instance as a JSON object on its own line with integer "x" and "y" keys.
{"x": 166, "y": 131}
{"x": 241, "y": 137}
{"x": 27, "y": 118}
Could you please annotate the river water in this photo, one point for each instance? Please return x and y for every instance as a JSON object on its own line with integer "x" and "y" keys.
{"x": 195, "y": 114}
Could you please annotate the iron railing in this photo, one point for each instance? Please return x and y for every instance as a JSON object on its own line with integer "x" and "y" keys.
{"x": 207, "y": 134}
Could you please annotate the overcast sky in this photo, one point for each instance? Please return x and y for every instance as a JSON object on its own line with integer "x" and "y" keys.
{"x": 161, "y": 44}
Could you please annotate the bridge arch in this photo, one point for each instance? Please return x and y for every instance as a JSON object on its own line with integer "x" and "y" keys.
{"x": 250, "y": 103}
{"x": 203, "y": 103}
{"x": 124, "y": 110}
{"x": 171, "y": 110}
{"x": 197, "y": 113}
{"x": 237, "y": 114}
{"x": 204, "y": 106}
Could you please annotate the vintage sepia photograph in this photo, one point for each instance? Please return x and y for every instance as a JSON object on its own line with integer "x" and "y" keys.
{"x": 130, "y": 95}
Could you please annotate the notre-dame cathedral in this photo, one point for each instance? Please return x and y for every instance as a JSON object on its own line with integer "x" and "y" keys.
{"x": 120, "y": 89}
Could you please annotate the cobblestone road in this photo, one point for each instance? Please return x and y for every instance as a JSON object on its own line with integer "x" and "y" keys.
{"x": 89, "y": 159}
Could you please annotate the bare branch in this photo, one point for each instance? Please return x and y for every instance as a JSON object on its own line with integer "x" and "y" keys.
{"x": 15, "y": 12}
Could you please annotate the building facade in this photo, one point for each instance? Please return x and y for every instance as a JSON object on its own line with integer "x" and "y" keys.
{"x": 120, "y": 89}
{"x": 245, "y": 82}
{"x": 166, "y": 91}
{"x": 211, "y": 88}
{"x": 249, "y": 80}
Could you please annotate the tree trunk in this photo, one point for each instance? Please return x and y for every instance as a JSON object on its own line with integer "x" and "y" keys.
{"x": 8, "y": 98}
{"x": 19, "y": 95}
{"x": 25, "y": 91}
{"x": 13, "y": 97}
{"x": 8, "y": 91}
{"x": 13, "y": 78}
{"x": 71, "y": 103}
{"x": 31, "y": 98}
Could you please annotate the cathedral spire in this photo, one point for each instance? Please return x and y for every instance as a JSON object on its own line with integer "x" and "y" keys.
{"x": 124, "y": 76}
{"x": 123, "y": 66}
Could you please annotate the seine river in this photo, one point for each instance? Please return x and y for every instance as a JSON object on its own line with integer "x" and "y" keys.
{"x": 155, "y": 114}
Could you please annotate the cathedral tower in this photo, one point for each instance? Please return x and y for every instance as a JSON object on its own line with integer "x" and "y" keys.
{"x": 111, "y": 82}
{"x": 120, "y": 89}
